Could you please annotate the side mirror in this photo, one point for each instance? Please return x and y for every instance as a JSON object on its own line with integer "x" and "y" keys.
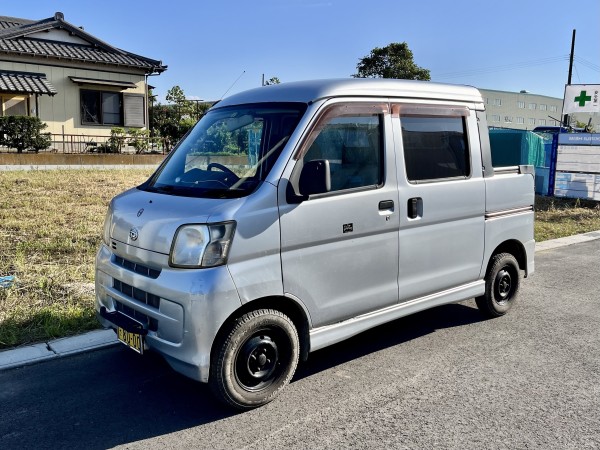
{"x": 315, "y": 177}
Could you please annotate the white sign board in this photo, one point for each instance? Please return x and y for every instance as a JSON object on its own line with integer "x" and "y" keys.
{"x": 581, "y": 98}
{"x": 578, "y": 166}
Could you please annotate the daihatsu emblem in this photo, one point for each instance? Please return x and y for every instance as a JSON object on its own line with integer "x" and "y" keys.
{"x": 140, "y": 212}
{"x": 133, "y": 234}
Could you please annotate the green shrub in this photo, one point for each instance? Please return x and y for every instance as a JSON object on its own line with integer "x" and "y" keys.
{"x": 116, "y": 141}
{"x": 138, "y": 139}
{"x": 23, "y": 133}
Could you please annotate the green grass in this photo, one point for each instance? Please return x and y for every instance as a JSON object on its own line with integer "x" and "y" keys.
{"x": 50, "y": 230}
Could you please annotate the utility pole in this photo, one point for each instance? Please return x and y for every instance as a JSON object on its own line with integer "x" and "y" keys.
{"x": 566, "y": 118}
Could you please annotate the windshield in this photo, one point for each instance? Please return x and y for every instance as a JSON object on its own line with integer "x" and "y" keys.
{"x": 229, "y": 152}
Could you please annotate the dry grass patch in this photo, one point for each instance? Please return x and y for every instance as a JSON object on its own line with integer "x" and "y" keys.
{"x": 50, "y": 230}
{"x": 560, "y": 217}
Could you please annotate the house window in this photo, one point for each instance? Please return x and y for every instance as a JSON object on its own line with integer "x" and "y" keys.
{"x": 531, "y": 121}
{"x": 101, "y": 108}
{"x": 553, "y": 108}
{"x": 495, "y": 118}
{"x": 112, "y": 108}
{"x": 521, "y": 104}
{"x": 520, "y": 120}
{"x": 13, "y": 105}
{"x": 508, "y": 119}
{"x": 497, "y": 102}
{"x": 543, "y": 107}
{"x": 532, "y": 106}
{"x": 541, "y": 121}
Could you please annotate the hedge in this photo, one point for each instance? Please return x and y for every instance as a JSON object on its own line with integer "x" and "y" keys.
{"x": 23, "y": 133}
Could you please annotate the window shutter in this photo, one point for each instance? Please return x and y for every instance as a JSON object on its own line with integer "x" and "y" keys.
{"x": 133, "y": 107}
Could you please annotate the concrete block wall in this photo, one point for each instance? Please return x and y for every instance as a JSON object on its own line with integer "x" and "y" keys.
{"x": 44, "y": 159}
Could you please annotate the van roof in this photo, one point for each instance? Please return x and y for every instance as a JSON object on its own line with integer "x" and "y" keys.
{"x": 311, "y": 91}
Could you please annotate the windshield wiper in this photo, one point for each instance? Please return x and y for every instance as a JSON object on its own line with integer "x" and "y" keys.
{"x": 166, "y": 189}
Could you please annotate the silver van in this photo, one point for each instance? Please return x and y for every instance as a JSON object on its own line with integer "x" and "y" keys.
{"x": 297, "y": 215}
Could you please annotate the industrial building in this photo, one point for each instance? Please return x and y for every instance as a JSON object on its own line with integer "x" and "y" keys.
{"x": 525, "y": 111}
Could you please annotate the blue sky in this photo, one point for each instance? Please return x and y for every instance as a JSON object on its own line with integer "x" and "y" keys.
{"x": 218, "y": 47}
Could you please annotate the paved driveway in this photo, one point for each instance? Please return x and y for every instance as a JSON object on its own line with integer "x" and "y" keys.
{"x": 443, "y": 378}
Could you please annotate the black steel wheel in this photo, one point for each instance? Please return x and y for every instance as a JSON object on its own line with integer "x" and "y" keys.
{"x": 255, "y": 359}
{"x": 502, "y": 284}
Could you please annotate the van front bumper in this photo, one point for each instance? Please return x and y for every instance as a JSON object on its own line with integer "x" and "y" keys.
{"x": 180, "y": 310}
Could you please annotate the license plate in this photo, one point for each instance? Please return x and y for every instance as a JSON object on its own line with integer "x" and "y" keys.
{"x": 132, "y": 340}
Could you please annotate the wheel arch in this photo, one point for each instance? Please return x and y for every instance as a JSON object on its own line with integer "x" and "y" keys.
{"x": 285, "y": 305}
{"x": 515, "y": 248}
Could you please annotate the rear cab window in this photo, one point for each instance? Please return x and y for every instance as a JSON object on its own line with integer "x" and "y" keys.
{"x": 435, "y": 142}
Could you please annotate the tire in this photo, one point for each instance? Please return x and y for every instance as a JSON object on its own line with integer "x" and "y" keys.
{"x": 255, "y": 359}
{"x": 502, "y": 283}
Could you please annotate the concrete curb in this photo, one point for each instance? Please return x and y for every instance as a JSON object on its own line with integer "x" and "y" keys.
{"x": 32, "y": 354}
{"x": 569, "y": 240}
{"x": 97, "y": 339}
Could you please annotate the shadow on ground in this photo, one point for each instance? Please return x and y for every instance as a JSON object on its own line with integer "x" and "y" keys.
{"x": 114, "y": 396}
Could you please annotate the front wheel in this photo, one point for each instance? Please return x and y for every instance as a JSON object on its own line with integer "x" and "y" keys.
{"x": 502, "y": 283}
{"x": 255, "y": 359}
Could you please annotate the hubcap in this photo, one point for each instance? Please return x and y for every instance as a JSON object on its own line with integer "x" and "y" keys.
{"x": 257, "y": 361}
{"x": 503, "y": 285}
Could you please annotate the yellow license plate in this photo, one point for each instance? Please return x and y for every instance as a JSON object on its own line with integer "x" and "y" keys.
{"x": 132, "y": 340}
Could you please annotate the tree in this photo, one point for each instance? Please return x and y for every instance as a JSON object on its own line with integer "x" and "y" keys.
{"x": 184, "y": 107}
{"x": 172, "y": 121}
{"x": 392, "y": 61}
{"x": 271, "y": 81}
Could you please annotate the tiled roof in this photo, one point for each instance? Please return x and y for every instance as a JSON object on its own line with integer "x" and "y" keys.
{"x": 10, "y": 22}
{"x": 15, "y": 40}
{"x": 78, "y": 52}
{"x": 25, "y": 83}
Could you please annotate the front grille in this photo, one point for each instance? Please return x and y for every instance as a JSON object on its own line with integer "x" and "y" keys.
{"x": 141, "y": 296}
{"x": 136, "y": 267}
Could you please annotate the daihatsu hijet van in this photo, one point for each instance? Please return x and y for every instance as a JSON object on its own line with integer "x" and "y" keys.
{"x": 297, "y": 215}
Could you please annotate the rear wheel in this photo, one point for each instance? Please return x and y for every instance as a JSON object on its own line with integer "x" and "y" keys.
{"x": 502, "y": 284}
{"x": 255, "y": 359}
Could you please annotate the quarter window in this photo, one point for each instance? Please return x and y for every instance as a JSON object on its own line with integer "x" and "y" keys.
{"x": 435, "y": 146}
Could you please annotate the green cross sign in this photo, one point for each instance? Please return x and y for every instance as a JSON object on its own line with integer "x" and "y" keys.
{"x": 583, "y": 97}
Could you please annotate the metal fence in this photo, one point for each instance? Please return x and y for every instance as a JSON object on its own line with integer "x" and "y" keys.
{"x": 79, "y": 143}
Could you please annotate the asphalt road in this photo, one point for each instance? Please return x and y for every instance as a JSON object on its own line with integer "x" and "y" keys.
{"x": 443, "y": 378}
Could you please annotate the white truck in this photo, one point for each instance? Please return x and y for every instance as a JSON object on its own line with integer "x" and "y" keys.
{"x": 297, "y": 215}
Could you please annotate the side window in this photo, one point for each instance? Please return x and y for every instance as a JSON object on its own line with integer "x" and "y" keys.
{"x": 435, "y": 146}
{"x": 353, "y": 145}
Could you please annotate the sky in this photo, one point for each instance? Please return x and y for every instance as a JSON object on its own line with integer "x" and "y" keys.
{"x": 220, "y": 47}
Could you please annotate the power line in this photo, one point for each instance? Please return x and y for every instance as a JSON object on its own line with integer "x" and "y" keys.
{"x": 513, "y": 66}
{"x": 588, "y": 64}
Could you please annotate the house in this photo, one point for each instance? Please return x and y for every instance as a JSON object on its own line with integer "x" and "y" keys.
{"x": 77, "y": 84}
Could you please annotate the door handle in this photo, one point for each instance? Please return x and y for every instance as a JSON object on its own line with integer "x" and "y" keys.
{"x": 414, "y": 207}
{"x": 386, "y": 205}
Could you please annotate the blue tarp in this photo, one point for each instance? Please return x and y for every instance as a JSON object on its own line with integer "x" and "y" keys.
{"x": 517, "y": 147}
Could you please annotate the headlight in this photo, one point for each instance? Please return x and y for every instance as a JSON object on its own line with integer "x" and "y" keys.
{"x": 107, "y": 225}
{"x": 197, "y": 246}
